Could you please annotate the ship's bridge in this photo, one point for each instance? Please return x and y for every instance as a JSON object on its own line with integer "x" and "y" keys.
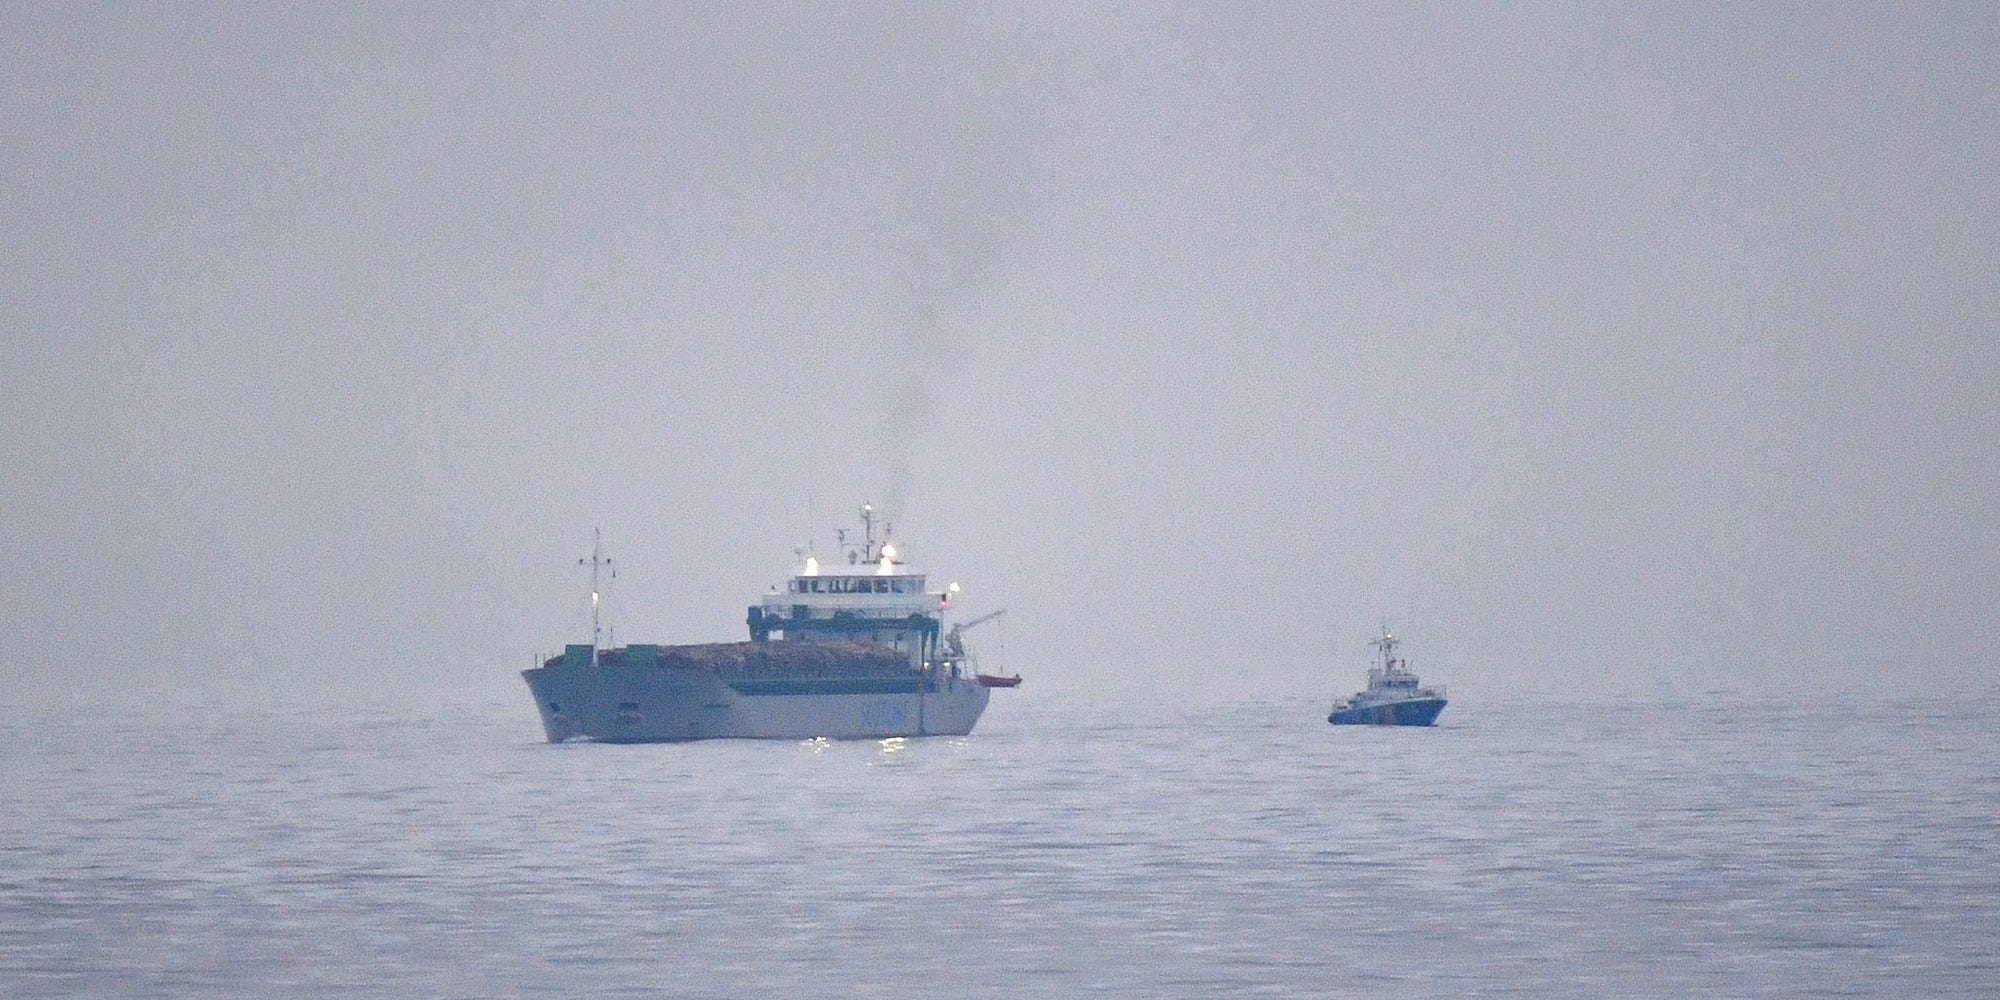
{"x": 870, "y": 595}
{"x": 873, "y": 583}
{"x": 899, "y": 593}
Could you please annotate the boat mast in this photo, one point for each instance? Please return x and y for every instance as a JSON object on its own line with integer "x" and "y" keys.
{"x": 1388, "y": 644}
{"x": 596, "y": 561}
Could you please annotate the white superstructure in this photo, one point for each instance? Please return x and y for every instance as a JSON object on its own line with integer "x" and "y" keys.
{"x": 866, "y": 594}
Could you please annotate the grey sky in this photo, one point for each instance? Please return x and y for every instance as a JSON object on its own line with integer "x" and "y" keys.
{"x": 1659, "y": 344}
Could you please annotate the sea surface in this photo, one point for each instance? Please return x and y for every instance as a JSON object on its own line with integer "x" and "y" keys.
{"x": 1161, "y": 848}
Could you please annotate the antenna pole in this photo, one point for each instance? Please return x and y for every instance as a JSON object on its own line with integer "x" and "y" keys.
{"x": 1388, "y": 646}
{"x": 596, "y": 562}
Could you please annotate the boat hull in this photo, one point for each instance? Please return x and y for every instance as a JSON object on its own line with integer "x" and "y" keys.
{"x": 654, "y": 704}
{"x": 1414, "y": 712}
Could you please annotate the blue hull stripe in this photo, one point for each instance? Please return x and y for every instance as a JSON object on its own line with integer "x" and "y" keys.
{"x": 826, "y": 685}
{"x": 1402, "y": 713}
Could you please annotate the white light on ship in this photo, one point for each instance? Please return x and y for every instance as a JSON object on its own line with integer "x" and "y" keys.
{"x": 885, "y": 568}
{"x": 888, "y": 550}
{"x": 812, "y": 566}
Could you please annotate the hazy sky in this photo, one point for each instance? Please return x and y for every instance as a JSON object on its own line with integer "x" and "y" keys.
{"x": 1645, "y": 350}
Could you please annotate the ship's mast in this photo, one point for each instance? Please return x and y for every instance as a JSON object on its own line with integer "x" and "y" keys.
{"x": 596, "y": 562}
{"x": 1388, "y": 644}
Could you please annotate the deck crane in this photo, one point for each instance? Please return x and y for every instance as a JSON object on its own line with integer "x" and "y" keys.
{"x": 954, "y": 647}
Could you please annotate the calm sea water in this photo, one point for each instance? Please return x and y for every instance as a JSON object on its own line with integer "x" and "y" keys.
{"x": 1238, "y": 849}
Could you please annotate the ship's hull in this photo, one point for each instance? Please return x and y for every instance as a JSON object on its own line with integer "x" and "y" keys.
{"x": 1412, "y": 712}
{"x": 653, "y": 704}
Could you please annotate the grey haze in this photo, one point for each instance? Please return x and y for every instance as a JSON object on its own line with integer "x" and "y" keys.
{"x": 1600, "y": 349}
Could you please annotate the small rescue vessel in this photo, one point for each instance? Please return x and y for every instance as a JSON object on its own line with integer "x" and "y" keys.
{"x": 1394, "y": 696}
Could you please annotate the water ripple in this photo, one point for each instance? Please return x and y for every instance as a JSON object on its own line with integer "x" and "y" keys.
{"x": 1635, "y": 850}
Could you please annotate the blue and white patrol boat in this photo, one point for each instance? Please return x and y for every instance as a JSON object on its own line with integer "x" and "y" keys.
{"x": 848, "y": 649}
{"x": 1394, "y": 696}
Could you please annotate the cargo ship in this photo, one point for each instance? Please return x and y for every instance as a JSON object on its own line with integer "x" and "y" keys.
{"x": 852, "y": 648}
{"x": 1394, "y": 696}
